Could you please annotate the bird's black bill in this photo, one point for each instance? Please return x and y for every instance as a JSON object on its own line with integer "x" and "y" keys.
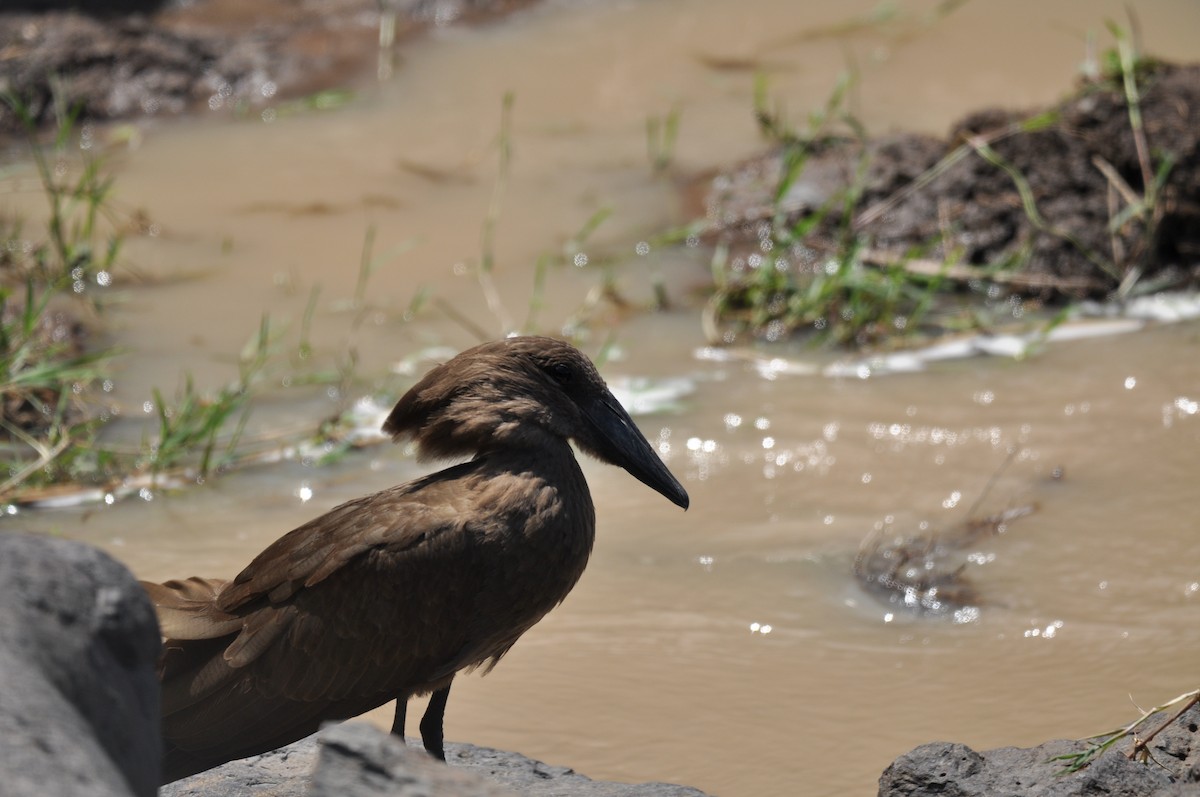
{"x": 619, "y": 441}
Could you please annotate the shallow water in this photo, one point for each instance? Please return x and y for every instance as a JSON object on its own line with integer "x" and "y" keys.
{"x": 729, "y": 647}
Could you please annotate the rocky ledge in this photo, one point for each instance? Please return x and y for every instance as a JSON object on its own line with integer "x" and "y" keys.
{"x": 1171, "y": 768}
{"x": 355, "y": 759}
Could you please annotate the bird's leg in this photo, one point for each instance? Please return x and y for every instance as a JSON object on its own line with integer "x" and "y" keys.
{"x": 431, "y": 723}
{"x": 401, "y": 713}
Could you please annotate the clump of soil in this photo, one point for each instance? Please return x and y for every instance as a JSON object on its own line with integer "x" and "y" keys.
{"x": 944, "y": 201}
{"x": 131, "y": 59}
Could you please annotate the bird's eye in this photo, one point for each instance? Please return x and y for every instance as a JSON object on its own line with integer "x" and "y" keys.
{"x": 559, "y": 372}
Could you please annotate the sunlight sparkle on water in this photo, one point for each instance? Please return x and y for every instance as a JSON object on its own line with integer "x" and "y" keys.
{"x": 902, "y": 434}
{"x": 304, "y": 492}
{"x": 1048, "y": 632}
{"x": 1182, "y": 407}
{"x": 812, "y": 456}
{"x": 760, "y": 628}
{"x": 967, "y": 614}
{"x": 704, "y": 454}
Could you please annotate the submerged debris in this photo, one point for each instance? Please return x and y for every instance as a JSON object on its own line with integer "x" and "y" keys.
{"x": 926, "y": 574}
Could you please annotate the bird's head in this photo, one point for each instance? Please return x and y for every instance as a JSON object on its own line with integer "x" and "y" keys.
{"x": 525, "y": 393}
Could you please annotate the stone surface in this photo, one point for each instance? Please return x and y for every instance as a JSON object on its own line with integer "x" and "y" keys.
{"x": 358, "y": 760}
{"x": 955, "y": 770}
{"x": 78, "y": 648}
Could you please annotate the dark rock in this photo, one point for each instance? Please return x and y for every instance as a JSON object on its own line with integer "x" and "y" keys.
{"x": 79, "y": 645}
{"x": 279, "y": 773}
{"x": 357, "y": 760}
{"x": 955, "y": 770}
{"x": 529, "y": 777}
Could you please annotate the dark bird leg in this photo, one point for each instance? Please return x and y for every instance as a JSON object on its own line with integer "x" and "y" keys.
{"x": 401, "y": 713}
{"x": 431, "y": 723}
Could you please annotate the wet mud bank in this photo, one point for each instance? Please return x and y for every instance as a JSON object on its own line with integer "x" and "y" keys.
{"x": 144, "y": 58}
{"x": 1093, "y": 197}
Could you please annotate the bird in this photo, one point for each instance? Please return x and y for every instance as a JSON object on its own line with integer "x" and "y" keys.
{"x": 390, "y": 595}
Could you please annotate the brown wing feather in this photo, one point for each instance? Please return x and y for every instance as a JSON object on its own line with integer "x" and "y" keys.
{"x": 186, "y": 608}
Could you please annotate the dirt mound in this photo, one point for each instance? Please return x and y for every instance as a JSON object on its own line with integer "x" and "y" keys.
{"x": 1060, "y": 202}
{"x": 215, "y": 54}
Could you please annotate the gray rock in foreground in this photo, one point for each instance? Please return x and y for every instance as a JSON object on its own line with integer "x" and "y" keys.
{"x": 78, "y": 689}
{"x": 358, "y": 760}
{"x": 955, "y": 770}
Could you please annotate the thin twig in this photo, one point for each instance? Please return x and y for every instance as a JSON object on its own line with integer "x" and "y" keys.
{"x": 1128, "y": 56}
{"x": 1141, "y": 743}
{"x": 927, "y": 267}
{"x": 996, "y": 474}
{"x": 45, "y": 457}
{"x": 1101, "y": 742}
{"x": 1116, "y": 180}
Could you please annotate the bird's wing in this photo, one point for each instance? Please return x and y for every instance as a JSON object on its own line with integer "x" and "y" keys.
{"x": 397, "y": 520}
{"x": 186, "y": 609}
{"x": 318, "y": 596}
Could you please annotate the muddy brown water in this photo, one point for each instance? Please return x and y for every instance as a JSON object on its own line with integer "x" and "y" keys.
{"x": 729, "y": 647}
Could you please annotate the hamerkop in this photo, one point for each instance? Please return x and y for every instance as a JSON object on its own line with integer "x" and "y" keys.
{"x": 389, "y": 595}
